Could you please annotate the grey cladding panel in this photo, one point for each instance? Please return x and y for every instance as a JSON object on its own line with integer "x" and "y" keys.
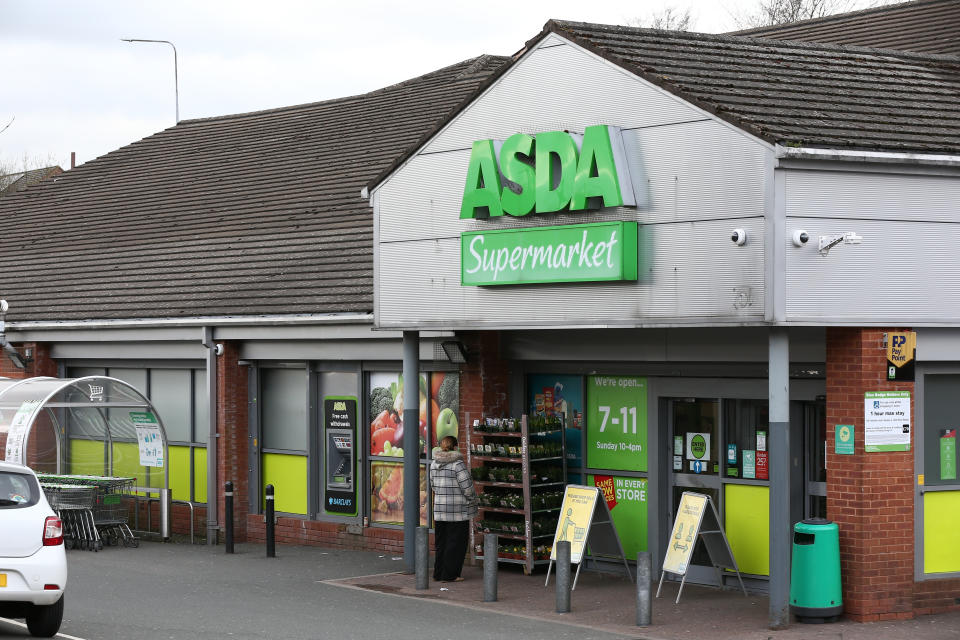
{"x": 688, "y": 270}
{"x": 690, "y": 171}
{"x": 903, "y": 272}
{"x": 540, "y": 93}
{"x": 877, "y": 196}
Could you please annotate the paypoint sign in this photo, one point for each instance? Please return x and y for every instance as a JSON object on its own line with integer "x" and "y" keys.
{"x": 551, "y": 172}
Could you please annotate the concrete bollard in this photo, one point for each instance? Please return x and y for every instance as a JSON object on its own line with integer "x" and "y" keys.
{"x": 268, "y": 516}
{"x": 644, "y": 605}
{"x": 228, "y": 515}
{"x": 491, "y": 545}
{"x": 563, "y": 576}
{"x": 422, "y": 559}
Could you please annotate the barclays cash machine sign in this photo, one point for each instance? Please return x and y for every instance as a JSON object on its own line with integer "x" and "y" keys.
{"x": 547, "y": 173}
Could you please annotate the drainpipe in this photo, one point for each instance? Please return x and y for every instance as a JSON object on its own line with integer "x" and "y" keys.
{"x": 212, "y": 486}
{"x": 5, "y": 346}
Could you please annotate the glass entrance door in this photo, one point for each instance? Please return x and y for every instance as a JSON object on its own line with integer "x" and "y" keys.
{"x": 695, "y": 466}
{"x": 815, "y": 469}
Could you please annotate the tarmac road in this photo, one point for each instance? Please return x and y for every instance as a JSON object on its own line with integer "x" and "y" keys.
{"x": 173, "y": 591}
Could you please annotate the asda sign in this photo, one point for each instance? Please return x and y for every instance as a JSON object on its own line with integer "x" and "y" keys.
{"x": 549, "y": 172}
{"x": 569, "y": 253}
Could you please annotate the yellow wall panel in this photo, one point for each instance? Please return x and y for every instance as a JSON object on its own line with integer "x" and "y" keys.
{"x": 941, "y": 531}
{"x": 179, "y": 472}
{"x": 288, "y": 475}
{"x": 747, "y": 522}
{"x": 86, "y": 457}
{"x": 200, "y": 475}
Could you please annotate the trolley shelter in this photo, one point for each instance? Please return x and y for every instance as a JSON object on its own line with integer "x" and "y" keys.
{"x": 95, "y": 426}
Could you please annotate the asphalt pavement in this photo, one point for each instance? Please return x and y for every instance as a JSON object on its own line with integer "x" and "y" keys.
{"x": 172, "y": 591}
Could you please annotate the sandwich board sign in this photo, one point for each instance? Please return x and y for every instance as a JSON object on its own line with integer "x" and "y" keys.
{"x": 585, "y": 522}
{"x": 697, "y": 520}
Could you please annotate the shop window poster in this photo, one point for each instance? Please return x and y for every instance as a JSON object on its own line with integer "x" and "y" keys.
{"x": 561, "y": 395}
{"x": 617, "y": 423}
{"x": 439, "y": 407}
{"x": 386, "y": 493}
{"x": 627, "y": 500}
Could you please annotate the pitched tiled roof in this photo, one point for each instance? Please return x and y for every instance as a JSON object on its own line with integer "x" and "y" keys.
{"x": 14, "y": 182}
{"x": 925, "y": 26}
{"x": 813, "y": 95}
{"x": 249, "y": 214}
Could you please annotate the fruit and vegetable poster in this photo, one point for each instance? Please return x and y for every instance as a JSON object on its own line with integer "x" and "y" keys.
{"x": 439, "y": 407}
{"x": 553, "y": 395}
{"x": 627, "y": 500}
{"x": 617, "y": 423}
{"x": 386, "y": 493}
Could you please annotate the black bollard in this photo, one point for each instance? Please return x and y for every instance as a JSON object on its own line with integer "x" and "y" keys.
{"x": 228, "y": 515}
{"x": 563, "y": 576}
{"x": 271, "y": 541}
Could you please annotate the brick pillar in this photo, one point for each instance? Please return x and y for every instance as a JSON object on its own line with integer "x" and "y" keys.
{"x": 484, "y": 378}
{"x": 232, "y": 425}
{"x": 869, "y": 495}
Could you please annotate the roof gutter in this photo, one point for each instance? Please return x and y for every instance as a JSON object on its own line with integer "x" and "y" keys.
{"x": 214, "y": 321}
{"x": 882, "y": 157}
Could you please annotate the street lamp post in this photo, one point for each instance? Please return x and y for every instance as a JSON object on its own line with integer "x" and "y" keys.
{"x": 176, "y": 88}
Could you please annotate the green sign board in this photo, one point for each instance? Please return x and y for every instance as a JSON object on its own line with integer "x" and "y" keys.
{"x": 617, "y": 423}
{"x": 551, "y": 171}
{"x": 627, "y": 500}
{"x": 843, "y": 444}
{"x": 571, "y": 253}
{"x": 948, "y": 454}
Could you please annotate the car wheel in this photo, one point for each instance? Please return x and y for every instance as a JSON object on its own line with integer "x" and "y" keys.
{"x": 43, "y": 621}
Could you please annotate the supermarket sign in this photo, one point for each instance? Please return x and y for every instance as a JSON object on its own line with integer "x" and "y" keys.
{"x": 552, "y": 171}
{"x": 605, "y": 251}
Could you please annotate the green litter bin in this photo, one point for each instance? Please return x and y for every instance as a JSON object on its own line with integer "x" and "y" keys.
{"x": 815, "y": 594}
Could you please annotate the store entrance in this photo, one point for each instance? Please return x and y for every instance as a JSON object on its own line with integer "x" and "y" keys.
{"x": 694, "y": 425}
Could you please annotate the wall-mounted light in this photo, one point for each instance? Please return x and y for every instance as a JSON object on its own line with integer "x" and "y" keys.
{"x": 455, "y": 351}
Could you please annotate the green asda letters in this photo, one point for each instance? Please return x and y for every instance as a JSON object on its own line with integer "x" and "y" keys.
{"x": 544, "y": 173}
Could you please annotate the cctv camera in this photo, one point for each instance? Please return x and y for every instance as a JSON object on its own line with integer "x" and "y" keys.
{"x": 800, "y": 238}
{"x": 739, "y": 237}
{"x": 4, "y": 306}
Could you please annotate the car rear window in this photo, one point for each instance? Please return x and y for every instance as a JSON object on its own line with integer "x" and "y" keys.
{"x": 18, "y": 490}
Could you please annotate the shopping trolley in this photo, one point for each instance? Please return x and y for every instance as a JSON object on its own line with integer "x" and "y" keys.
{"x": 74, "y": 506}
{"x": 107, "y": 516}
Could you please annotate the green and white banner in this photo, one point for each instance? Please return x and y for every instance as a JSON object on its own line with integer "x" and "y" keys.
{"x": 605, "y": 251}
{"x": 617, "y": 423}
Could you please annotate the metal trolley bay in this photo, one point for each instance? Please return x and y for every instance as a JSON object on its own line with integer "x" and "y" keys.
{"x": 94, "y": 509}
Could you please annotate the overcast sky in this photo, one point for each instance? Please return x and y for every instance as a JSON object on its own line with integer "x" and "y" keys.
{"x": 70, "y": 84}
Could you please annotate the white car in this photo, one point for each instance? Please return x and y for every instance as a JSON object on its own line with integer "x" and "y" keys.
{"x": 33, "y": 563}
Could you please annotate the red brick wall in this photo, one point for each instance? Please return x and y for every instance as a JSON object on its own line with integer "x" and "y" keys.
{"x": 871, "y": 495}
{"x": 328, "y": 534}
{"x": 232, "y": 425}
{"x": 484, "y": 379}
{"x": 41, "y": 454}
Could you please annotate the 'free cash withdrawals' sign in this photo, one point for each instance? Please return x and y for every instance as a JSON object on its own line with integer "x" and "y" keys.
{"x": 886, "y": 421}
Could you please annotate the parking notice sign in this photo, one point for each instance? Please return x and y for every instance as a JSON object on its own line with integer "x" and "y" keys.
{"x": 886, "y": 421}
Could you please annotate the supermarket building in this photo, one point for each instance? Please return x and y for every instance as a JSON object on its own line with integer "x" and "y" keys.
{"x": 761, "y": 247}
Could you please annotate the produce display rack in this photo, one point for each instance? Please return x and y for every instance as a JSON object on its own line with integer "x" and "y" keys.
{"x": 529, "y": 442}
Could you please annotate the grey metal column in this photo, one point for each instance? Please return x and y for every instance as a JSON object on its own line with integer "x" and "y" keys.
{"x": 779, "y": 464}
{"x": 212, "y": 484}
{"x": 411, "y": 446}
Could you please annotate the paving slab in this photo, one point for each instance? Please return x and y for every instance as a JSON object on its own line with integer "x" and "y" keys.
{"x": 605, "y": 602}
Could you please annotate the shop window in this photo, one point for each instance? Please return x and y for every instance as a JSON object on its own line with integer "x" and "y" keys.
{"x": 201, "y": 411}
{"x": 438, "y": 416}
{"x": 557, "y": 395}
{"x": 179, "y": 397}
{"x": 747, "y": 432}
{"x": 386, "y": 493}
{"x": 283, "y": 407}
{"x": 941, "y": 421}
{"x": 170, "y": 393}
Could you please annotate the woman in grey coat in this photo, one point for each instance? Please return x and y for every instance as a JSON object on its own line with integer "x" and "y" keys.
{"x": 454, "y": 503}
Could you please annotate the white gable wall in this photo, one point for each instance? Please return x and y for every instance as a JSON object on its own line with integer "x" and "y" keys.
{"x": 703, "y": 178}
